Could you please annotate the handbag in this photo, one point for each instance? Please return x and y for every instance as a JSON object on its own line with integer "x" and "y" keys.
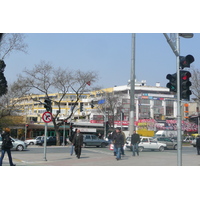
{"x": 111, "y": 147}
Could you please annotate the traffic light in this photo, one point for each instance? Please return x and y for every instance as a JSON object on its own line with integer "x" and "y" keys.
{"x": 185, "y": 84}
{"x": 71, "y": 127}
{"x": 172, "y": 85}
{"x": 81, "y": 107}
{"x": 47, "y": 104}
{"x": 92, "y": 104}
{"x": 107, "y": 126}
{"x": 122, "y": 116}
{"x": 3, "y": 81}
{"x": 185, "y": 61}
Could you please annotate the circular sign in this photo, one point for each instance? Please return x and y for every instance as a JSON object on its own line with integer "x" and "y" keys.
{"x": 47, "y": 117}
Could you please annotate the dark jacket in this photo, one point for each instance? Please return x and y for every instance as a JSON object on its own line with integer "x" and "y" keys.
{"x": 6, "y": 141}
{"x": 78, "y": 139}
{"x": 118, "y": 140}
{"x": 198, "y": 142}
{"x": 135, "y": 138}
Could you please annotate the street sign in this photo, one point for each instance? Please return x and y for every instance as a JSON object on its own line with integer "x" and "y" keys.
{"x": 47, "y": 117}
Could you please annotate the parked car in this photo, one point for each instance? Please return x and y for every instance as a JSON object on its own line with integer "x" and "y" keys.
{"x": 93, "y": 140}
{"x": 188, "y": 139}
{"x": 193, "y": 143}
{"x": 18, "y": 145}
{"x": 51, "y": 141}
{"x": 168, "y": 141}
{"x": 33, "y": 141}
{"x": 147, "y": 143}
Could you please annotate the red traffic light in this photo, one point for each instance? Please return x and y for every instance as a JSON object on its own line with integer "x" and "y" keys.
{"x": 186, "y": 76}
{"x": 185, "y": 61}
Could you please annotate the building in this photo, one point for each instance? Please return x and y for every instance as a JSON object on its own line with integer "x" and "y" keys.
{"x": 152, "y": 103}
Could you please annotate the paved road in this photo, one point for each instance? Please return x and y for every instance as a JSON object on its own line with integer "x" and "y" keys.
{"x": 60, "y": 156}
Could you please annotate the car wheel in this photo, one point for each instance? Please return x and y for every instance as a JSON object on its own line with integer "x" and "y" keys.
{"x": 175, "y": 147}
{"x": 161, "y": 148}
{"x": 140, "y": 149}
{"x": 19, "y": 148}
{"x": 31, "y": 143}
{"x": 103, "y": 145}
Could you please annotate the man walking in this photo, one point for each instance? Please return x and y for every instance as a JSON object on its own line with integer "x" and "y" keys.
{"x": 119, "y": 142}
{"x": 78, "y": 143}
{"x": 135, "y": 140}
{"x": 198, "y": 144}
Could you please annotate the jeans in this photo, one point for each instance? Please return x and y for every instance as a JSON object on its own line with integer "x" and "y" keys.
{"x": 135, "y": 148}
{"x": 118, "y": 153}
{"x": 72, "y": 150}
{"x": 9, "y": 156}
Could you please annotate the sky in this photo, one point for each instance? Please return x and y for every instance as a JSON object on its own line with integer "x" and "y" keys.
{"x": 108, "y": 54}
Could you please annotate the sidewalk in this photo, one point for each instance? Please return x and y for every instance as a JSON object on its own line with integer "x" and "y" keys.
{"x": 98, "y": 157}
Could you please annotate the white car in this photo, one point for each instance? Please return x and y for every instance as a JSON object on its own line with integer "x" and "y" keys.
{"x": 147, "y": 143}
{"x": 33, "y": 141}
{"x": 18, "y": 145}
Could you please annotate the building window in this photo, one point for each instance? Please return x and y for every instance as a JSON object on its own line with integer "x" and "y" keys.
{"x": 169, "y": 108}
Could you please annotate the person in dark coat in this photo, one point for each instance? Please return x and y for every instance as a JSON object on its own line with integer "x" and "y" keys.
{"x": 6, "y": 146}
{"x": 135, "y": 140}
{"x": 78, "y": 143}
{"x": 198, "y": 144}
{"x": 119, "y": 142}
{"x": 71, "y": 140}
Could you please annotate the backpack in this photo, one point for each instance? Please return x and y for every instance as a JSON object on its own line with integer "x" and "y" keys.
{"x": 7, "y": 143}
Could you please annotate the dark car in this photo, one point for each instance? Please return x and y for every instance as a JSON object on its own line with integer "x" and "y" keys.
{"x": 93, "y": 140}
{"x": 51, "y": 141}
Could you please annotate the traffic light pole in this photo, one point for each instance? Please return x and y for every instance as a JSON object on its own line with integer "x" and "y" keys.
{"x": 179, "y": 137}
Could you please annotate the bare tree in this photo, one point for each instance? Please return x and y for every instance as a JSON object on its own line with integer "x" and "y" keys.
{"x": 112, "y": 105}
{"x": 47, "y": 79}
{"x": 12, "y": 42}
{"x": 9, "y": 103}
{"x": 195, "y": 82}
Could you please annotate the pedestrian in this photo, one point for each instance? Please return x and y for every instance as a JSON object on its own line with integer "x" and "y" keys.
{"x": 110, "y": 138}
{"x": 124, "y": 136}
{"x": 78, "y": 143}
{"x": 135, "y": 140}
{"x": 119, "y": 142}
{"x": 71, "y": 139}
{"x": 5, "y": 147}
{"x": 99, "y": 136}
{"x": 198, "y": 144}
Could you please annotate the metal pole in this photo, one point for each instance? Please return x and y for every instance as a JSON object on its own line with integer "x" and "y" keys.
{"x": 179, "y": 137}
{"x": 64, "y": 134}
{"x": 45, "y": 142}
{"x": 121, "y": 121}
{"x": 25, "y": 132}
{"x": 105, "y": 120}
{"x": 132, "y": 89}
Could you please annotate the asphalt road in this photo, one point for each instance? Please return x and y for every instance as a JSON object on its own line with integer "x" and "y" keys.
{"x": 60, "y": 156}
